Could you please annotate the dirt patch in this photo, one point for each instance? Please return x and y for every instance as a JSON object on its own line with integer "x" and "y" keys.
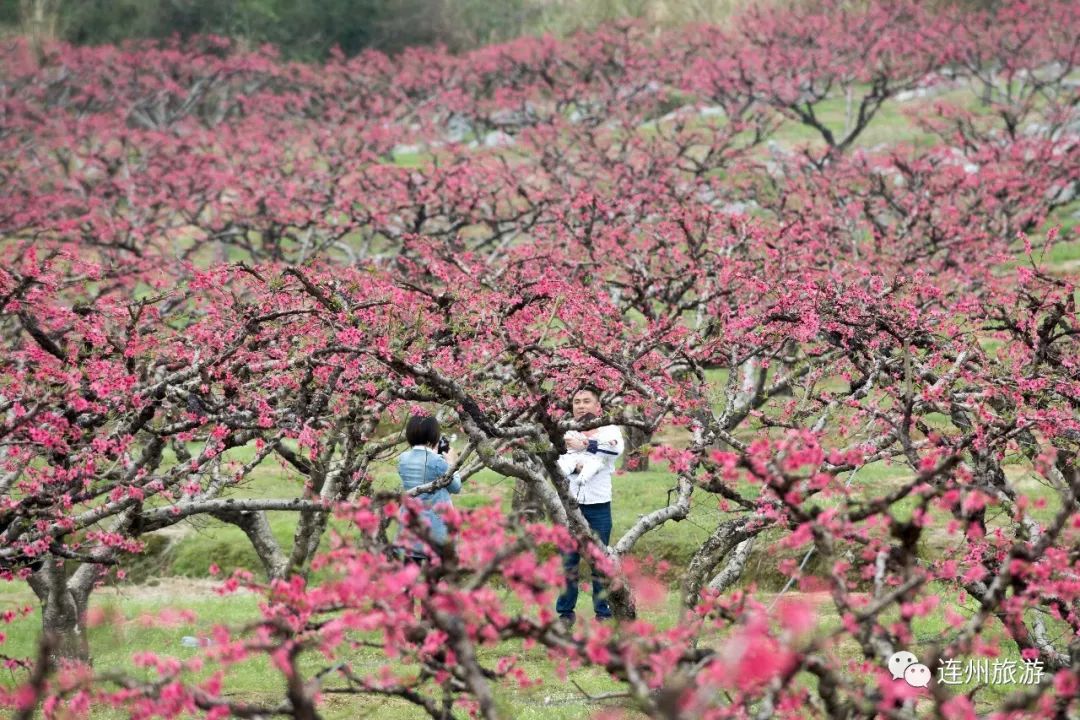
{"x": 814, "y": 598}
{"x": 165, "y": 590}
{"x": 175, "y": 532}
{"x": 1068, "y": 267}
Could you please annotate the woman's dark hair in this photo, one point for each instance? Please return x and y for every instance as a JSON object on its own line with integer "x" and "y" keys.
{"x": 422, "y": 430}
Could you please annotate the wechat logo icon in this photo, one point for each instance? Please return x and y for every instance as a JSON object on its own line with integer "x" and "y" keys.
{"x": 905, "y": 666}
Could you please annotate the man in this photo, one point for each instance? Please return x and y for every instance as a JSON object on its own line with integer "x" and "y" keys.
{"x": 593, "y": 495}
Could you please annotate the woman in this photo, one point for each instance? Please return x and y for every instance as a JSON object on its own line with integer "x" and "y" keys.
{"x": 421, "y": 465}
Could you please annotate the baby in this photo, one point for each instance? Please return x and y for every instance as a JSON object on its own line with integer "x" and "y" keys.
{"x": 580, "y": 465}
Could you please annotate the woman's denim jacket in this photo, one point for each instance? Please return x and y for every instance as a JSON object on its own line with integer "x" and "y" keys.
{"x": 419, "y": 466}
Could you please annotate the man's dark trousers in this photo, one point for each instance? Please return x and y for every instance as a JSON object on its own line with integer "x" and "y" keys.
{"x": 598, "y": 516}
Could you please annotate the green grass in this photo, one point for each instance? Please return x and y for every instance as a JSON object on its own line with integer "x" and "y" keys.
{"x": 131, "y": 621}
{"x": 411, "y": 158}
{"x": 130, "y": 607}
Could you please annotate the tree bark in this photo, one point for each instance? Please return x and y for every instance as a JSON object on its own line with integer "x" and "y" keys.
{"x": 526, "y": 500}
{"x": 39, "y": 18}
{"x": 63, "y": 611}
{"x": 621, "y": 600}
{"x": 727, "y": 536}
{"x": 257, "y": 527}
{"x": 638, "y": 444}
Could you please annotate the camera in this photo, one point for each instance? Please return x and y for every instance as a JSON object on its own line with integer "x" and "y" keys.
{"x": 444, "y": 445}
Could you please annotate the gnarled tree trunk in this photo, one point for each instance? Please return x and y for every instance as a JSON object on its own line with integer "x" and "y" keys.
{"x": 638, "y": 444}
{"x": 39, "y": 19}
{"x": 63, "y": 607}
{"x": 527, "y": 500}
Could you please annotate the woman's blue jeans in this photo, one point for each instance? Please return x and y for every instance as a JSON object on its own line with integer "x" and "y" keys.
{"x": 598, "y": 516}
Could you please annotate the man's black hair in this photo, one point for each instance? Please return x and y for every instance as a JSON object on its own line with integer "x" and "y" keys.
{"x": 589, "y": 389}
{"x": 422, "y": 430}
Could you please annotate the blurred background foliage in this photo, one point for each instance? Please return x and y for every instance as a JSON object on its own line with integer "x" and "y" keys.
{"x": 308, "y": 29}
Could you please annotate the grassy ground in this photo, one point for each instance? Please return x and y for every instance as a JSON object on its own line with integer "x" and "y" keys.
{"x": 134, "y": 624}
{"x": 132, "y": 621}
